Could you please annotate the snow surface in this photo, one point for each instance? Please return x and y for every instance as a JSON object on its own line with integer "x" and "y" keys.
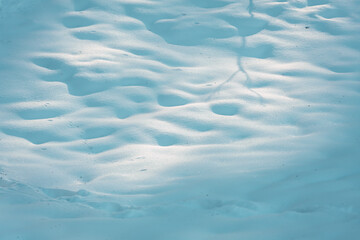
{"x": 179, "y": 119}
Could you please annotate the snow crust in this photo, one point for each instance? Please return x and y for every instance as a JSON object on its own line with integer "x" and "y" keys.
{"x": 179, "y": 119}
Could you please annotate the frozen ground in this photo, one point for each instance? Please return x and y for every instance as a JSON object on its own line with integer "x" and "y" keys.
{"x": 179, "y": 119}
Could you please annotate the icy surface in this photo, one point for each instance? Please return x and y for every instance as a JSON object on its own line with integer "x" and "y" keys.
{"x": 179, "y": 119}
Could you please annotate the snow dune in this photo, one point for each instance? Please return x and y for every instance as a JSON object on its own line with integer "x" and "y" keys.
{"x": 179, "y": 119}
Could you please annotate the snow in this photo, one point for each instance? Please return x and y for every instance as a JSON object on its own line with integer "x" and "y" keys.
{"x": 179, "y": 119}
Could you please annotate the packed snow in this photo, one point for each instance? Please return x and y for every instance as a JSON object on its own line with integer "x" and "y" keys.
{"x": 179, "y": 119}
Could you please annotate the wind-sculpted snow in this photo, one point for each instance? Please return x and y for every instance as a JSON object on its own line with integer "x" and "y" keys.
{"x": 179, "y": 119}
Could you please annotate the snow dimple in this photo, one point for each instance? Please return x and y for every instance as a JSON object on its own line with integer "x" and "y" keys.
{"x": 77, "y": 21}
{"x": 246, "y": 26}
{"x": 97, "y": 132}
{"x": 210, "y": 3}
{"x": 171, "y": 100}
{"x": 81, "y": 5}
{"x": 49, "y": 63}
{"x": 39, "y": 135}
{"x": 40, "y": 110}
{"x": 166, "y": 140}
{"x": 88, "y": 35}
{"x": 190, "y": 31}
{"x": 226, "y": 109}
{"x": 317, "y": 2}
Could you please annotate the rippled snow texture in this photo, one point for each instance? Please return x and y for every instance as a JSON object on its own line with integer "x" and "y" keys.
{"x": 179, "y": 119}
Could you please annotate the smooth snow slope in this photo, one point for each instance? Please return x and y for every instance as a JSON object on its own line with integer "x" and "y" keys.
{"x": 179, "y": 119}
